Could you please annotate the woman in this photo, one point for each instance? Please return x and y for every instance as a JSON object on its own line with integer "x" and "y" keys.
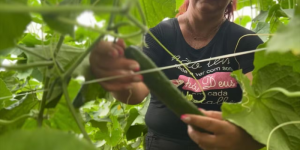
{"x": 201, "y": 30}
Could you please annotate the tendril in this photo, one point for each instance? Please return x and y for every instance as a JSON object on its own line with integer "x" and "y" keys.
{"x": 278, "y": 127}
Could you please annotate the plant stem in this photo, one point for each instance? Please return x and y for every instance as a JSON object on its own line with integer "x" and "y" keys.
{"x": 139, "y": 7}
{"x": 59, "y": 44}
{"x": 72, "y": 22}
{"x": 56, "y": 51}
{"x": 74, "y": 113}
{"x": 137, "y": 23}
{"x": 283, "y": 91}
{"x": 27, "y": 66}
{"x": 44, "y": 99}
{"x": 8, "y": 8}
{"x": 31, "y": 52}
{"x": 81, "y": 58}
{"x": 8, "y": 122}
{"x": 119, "y": 24}
{"x": 112, "y": 16}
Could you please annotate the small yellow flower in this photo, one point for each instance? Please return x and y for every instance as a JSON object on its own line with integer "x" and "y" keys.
{"x": 119, "y": 107}
{"x": 296, "y": 52}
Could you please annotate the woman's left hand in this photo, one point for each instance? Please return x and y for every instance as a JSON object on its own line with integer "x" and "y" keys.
{"x": 226, "y": 135}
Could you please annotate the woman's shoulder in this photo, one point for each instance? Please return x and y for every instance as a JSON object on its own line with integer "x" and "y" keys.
{"x": 238, "y": 29}
{"x": 165, "y": 24}
{"x": 235, "y": 32}
{"x": 166, "y": 29}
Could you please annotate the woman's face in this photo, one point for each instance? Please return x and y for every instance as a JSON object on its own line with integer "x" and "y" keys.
{"x": 210, "y": 6}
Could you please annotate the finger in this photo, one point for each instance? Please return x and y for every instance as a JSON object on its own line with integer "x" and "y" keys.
{"x": 124, "y": 80}
{"x": 204, "y": 140}
{"x": 119, "y": 49}
{"x": 209, "y": 124}
{"x": 212, "y": 114}
{"x": 105, "y": 49}
{"x": 116, "y": 64}
{"x": 121, "y": 43}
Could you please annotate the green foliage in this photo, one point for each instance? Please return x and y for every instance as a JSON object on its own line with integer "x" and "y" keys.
{"x": 243, "y": 20}
{"x": 37, "y": 93}
{"x": 43, "y": 139}
{"x": 61, "y": 112}
{"x": 272, "y": 107}
{"x": 23, "y": 106}
{"x": 12, "y": 27}
{"x": 5, "y": 95}
{"x": 291, "y": 30}
{"x": 157, "y": 10}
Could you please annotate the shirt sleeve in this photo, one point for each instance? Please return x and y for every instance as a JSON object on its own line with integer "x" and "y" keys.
{"x": 152, "y": 49}
{"x": 246, "y": 62}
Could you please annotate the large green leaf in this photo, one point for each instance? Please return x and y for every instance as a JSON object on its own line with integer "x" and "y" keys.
{"x": 61, "y": 27}
{"x": 262, "y": 28}
{"x": 133, "y": 114}
{"x": 261, "y": 111}
{"x": 12, "y": 26}
{"x": 62, "y": 118}
{"x": 289, "y": 34}
{"x": 89, "y": 92}
{"x": 43, "y": 139}
{"x": 136, "y": 131}
{"x": 65, "y": 57}
{"x": 22, "y": 107}
{"x": 31, "y": 39}
{"x": 116, "y": 132}
{"x": 55, "y": 93}
{"x": 56, "y": 24}
{"x": 263, "y": 59}
{"x": 266, "y": 4}
{"x": 10, "y": 79}
{"x": 157, "y": 10}
{"x": 102, "y": 125}
{"x": 261, "y": 17}
{"x": 5, "y": 95}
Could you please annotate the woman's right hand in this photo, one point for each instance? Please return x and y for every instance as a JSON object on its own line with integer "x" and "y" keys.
{"x": 108, "y": 60}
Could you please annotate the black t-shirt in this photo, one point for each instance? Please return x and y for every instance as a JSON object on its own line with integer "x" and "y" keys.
{"x": 214, "y": 76}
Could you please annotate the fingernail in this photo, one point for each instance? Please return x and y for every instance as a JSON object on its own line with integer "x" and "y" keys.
{"x": 135, "y": 67}
{"x": 185, "y": 118}
{"x": 121, "y": 53}
{"x": 138, "y": 78}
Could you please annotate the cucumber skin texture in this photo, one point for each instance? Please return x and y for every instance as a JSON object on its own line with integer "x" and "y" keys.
{"x": 161, "y": 86}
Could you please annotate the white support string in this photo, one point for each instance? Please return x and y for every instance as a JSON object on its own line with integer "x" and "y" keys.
{"x": 149, "y": 71}
{"x": 173, "y": 66}
{"x": 30, "y": 92}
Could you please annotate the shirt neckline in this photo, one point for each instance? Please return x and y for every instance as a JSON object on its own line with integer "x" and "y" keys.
{"x": 220, "y": 31}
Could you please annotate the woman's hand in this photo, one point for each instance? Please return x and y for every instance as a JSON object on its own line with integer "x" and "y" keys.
{"x": 226, "y": 135}
{"x": 107, "y": 60}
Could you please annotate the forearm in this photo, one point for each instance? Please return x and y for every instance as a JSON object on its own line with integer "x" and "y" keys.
{"x": 132, "y": 96}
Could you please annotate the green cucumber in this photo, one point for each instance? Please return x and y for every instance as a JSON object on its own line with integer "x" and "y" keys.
{"x": 161, "y": 86}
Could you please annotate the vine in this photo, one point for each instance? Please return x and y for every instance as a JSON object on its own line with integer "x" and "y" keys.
{"x": 65, "y": 73}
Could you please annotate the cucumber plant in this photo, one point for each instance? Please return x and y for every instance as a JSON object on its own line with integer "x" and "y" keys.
{"x": 42, "y": 90}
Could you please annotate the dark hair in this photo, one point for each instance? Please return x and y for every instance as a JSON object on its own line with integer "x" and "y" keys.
{"x": 228, "y": 12}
